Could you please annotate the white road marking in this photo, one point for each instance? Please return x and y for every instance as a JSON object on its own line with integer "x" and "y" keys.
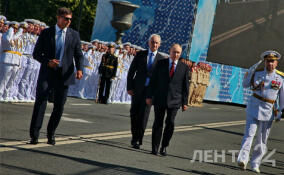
{"x": 214, "y": 108}
{"x": 74, "y": 120}
{"x": 68, "y": 119}
{"x": 17, "y": 145}
{"x": 48, "y": 114}
{"x": 80, "y": 104}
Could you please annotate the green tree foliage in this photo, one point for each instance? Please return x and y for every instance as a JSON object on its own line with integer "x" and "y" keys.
{"x": 45, "y": 10}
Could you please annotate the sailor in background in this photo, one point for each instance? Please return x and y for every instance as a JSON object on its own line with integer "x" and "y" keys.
{"x": 265, "y": 105}
{"x": 107, "y": 70}
{"x": 10, "y": 60}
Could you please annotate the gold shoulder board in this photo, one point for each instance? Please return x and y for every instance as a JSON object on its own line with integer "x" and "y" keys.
{"x": 280, "y": 73}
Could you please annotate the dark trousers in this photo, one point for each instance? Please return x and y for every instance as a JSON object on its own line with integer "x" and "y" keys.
{"x": 157, "y": 129}
{"x": 42, "y": 94}
{"x": 104, "y": 89}
{"x": 139, "y": 114}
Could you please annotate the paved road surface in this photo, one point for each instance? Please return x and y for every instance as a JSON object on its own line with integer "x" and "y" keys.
{"x": 95, "y": 139}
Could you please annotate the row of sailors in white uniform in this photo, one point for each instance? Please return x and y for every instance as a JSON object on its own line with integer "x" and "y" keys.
{"x": 18, "y": 70}
{"x": 87, "y": 87}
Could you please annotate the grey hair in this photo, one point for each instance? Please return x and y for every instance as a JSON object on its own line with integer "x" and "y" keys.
{"x": 151, "y": 36}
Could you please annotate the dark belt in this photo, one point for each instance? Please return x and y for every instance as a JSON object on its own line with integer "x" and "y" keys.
{"x": 263, "y": 99}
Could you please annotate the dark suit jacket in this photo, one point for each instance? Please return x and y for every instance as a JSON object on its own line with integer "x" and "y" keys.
{"x": 108, "y": 66}
{"x": 166, "y": 91}
{"x": 138, "y": 72}
{"x": 45, "y": 50}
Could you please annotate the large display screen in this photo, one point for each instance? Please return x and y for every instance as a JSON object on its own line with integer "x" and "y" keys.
{"x": 243, "y": 29}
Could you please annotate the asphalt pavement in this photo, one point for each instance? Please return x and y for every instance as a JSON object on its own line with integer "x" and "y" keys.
{"x": 95, "y": 139}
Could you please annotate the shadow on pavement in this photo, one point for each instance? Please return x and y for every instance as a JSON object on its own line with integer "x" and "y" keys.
{"x": 99, "y": 166}
{"x": 23, "y": 170}
{"x": 195, "y": 171}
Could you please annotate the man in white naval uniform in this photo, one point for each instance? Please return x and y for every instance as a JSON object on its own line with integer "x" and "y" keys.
{"x": 85, "y": 86}
{"x": 2, "y": 22}
{"x": 10, "y": 60}
{"x": 26, "y": 84}
{"x": 36, "y": 64}
{"x": 15, "y": 90}
{"x": 268, "y": 91}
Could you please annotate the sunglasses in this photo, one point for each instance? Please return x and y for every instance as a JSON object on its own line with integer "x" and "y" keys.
{"x": 66, "y": 18}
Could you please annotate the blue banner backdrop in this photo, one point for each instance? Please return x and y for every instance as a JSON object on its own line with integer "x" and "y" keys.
{"x": 172, "y": 20}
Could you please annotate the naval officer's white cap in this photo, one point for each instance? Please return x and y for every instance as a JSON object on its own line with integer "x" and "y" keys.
{"x": 270, "y": 55}
{"x": 24, "y": 24}
{"x": 3, "y": 18}
{"x": 127, "y": 44}
{"x": 95, "y": 40}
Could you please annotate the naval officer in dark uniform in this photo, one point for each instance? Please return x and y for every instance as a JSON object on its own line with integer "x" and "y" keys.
{"x": 107, "y": 71}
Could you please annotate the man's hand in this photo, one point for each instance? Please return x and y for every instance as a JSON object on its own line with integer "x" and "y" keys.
{"x": 53, "y": 63}
{"x": 184, "y": 107}
{"x": 149, "y": 101}
{"x": 130, "y": 92}
{"x": 79, "y": 74}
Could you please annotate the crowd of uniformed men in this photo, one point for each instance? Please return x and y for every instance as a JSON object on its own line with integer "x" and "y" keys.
{"x": 19, "y": 71}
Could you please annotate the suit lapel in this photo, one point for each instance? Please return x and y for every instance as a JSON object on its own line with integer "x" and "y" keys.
{"x": 157, "y": 58}
{"x": 67, "y": 39}
{"x": 52, "y": 33}
{"x": 145, "y": 59}
{"x": 167, "y": 66}
{"x": 177, "y": 69}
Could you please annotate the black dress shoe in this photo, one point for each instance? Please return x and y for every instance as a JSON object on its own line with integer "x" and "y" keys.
{"x": 163, "y": 151}
{"x": 51, "y": 140}
{"x": 33, "y": 141}
{"x": 154, "y": 152}
{"x": 136, "y": 146}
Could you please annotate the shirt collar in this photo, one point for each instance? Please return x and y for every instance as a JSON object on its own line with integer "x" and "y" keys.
{"x": 155, "y": 53}
{"x": 58, "y": 29}
{"x": 171, "y": 61}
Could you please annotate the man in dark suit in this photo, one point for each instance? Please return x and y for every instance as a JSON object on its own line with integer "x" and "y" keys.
{"x": 55, "y": 49}
{"x": 168, "y": 90}
{"x": 138, "y": 79}
{"x": 107, "y": 70}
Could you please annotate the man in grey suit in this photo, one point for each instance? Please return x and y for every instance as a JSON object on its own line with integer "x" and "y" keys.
{"x": 138, "y": 79}
{"x": 168, "y": 90}
{"x": 55, "y": 49}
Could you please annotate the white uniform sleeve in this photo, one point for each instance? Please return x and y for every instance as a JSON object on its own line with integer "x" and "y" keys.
{"x": 10, "y": 34}
{"x": 249, "y": 74}
{"x": 281, "y": 101}
{"x": 18, "y": 34}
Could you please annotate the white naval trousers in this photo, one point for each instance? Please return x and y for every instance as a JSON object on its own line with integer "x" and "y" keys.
{"x": 25, "y": 84}
{"x": 7, "y": 80}
{"x": 15, "y": 90}
{"x": 262, "y": 129}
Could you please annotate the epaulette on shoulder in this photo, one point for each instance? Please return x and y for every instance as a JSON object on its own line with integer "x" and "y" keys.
{"x": 280, "y": 73}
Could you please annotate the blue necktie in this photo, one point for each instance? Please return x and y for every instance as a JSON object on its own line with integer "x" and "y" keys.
{"x": 150, "y": 61}
{"x": 149, "y": 66}
{"x": 59, "y": 43}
